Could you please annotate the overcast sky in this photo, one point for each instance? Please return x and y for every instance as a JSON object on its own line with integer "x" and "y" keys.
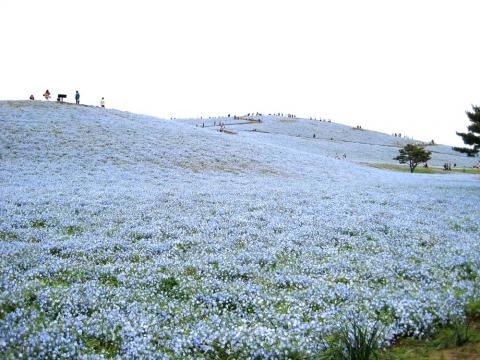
{"x": 409, "y": 66}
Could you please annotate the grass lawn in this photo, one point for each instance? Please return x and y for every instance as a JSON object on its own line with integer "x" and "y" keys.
{"x": 452, "y": 342}
{"x": 440, "y": 346}
{"x": 421, "y": 170}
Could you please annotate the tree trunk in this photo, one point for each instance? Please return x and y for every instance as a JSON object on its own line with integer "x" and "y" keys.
{"x": 412, "y": 166}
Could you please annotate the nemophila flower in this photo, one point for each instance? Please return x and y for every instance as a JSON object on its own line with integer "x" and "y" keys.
{"x": 123, "y": 235}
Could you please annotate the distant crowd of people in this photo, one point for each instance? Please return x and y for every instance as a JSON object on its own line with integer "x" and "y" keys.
{"x": 448, "y": 166}
{"x": 403, "y": 136}
{"x": 47, "y": 95}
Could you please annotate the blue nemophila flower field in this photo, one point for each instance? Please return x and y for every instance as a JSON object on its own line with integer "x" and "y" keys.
{"x": 128, "y": 236}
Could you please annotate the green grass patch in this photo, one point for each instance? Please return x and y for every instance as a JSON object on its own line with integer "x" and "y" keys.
{"x": 63, "y": 278}
{"x": 421, "y": 170}
{"x": 136, "y": 236}
{"x": 55, "y": 251}
{"x": 281, "y": 307}
{"x": 108, "y": 280}
{"x": 101, "y": 345}
{"x": 138, "y": 258}
{"x": 458, "y": 340}
{"x": 7, "y": 236}
{"x": 191, "y": 271}
{"x": 38, "y": 224}
{"x": 466, "y": 170}
{"x": 186, "y": 246}
{"x": 167, "y": 284}
{"x": 72, "y": 230}
{"x": 6, "y": 308}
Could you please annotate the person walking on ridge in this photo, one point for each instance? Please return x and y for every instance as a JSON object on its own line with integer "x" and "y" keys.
{"x": 102, "y": 102}
{"x": 77, "y": 98}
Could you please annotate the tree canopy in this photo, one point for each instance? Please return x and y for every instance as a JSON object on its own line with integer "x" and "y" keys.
{"x": 472, "y": 137}
{"x": 413, "y": 155}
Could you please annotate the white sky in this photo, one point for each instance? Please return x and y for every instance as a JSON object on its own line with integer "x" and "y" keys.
{"x": 409, "y": 66}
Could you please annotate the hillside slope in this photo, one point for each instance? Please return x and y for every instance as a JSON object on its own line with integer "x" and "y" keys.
{"x": 331, "y": 139}
{"x": 126, "y": 235}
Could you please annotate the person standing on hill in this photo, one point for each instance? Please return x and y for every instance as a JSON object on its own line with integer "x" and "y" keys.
{"x": 102, "y": 102}
{"x": 47, "y": 94}
{"x": 77, "y": 98}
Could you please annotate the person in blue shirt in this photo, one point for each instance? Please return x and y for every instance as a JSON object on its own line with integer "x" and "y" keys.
{"x": 77, "y": 97}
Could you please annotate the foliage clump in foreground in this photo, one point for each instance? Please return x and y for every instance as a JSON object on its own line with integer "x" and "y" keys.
{"x": 355, "y": 342}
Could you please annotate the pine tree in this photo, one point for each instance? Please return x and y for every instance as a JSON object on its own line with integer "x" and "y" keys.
{"x": 413, "y": 155}
{"x": 472, "y": 137}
